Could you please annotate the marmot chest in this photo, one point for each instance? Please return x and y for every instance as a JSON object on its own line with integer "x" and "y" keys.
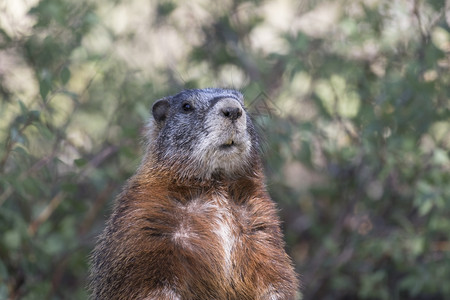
{"x": 210, "y": 227}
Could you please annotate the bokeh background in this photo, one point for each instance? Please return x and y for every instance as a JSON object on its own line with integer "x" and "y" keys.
{"x": 352, "y": 98}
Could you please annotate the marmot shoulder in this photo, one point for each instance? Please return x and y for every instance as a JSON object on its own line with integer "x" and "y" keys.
{"x": 195, "y": 221}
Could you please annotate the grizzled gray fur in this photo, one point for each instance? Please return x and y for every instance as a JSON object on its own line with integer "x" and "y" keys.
{"x": 189, "y": 127}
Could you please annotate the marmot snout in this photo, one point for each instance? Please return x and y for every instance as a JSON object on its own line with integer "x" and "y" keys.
{"x": 195, "y": 221}
{"x": 231, "y": 124}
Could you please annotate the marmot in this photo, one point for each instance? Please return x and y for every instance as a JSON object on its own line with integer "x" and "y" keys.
{"x": 195, "y": 221}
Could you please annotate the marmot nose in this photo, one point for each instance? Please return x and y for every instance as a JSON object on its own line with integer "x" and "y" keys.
{"x": 232, "y": 112}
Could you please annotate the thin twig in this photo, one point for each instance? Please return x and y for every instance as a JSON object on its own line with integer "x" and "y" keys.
{"x": 46, "y": 213}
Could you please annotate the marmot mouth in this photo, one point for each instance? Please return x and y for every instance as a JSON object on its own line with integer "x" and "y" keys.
{"x": 229, "y": 144}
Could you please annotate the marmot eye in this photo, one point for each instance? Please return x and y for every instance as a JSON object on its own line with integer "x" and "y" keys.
{"x": 187, "y": 107}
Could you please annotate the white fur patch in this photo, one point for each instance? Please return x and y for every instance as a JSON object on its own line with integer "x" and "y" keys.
{"x": 225, "y": 233}
{"x": 164, "y": 293}
{"x": 182, "y": 234}
{"x": 220, "y": 218}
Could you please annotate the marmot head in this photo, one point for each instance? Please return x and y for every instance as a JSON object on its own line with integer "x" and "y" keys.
{"x": 203, "y": 133}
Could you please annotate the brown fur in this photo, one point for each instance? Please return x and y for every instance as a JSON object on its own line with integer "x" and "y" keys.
{"x": 172, "y": 238}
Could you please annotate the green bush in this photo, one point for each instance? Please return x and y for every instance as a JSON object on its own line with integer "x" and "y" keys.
{"x": 352, "y": 98}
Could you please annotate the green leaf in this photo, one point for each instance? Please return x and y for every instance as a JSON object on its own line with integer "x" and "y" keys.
{"x": 80, "y": 162}
{"x": 11, "y": 239}
{"x": 23, "y": 108}
{"x": 166, "y": 8}
{"x": 441, "y": 157}
{"x": 65, "y": 75}
{"x": 34, "y": 115}
{"x": 437, "y": 4}
{"x": 44, "y": 89}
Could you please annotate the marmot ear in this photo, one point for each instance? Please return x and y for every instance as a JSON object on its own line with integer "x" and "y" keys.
{"x": 160, "y": 109}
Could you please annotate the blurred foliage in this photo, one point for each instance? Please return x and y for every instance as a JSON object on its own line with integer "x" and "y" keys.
{"x": 352, "y": 98}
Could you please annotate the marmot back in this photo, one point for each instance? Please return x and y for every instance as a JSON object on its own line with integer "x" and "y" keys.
{"x": 195, "y": 221}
